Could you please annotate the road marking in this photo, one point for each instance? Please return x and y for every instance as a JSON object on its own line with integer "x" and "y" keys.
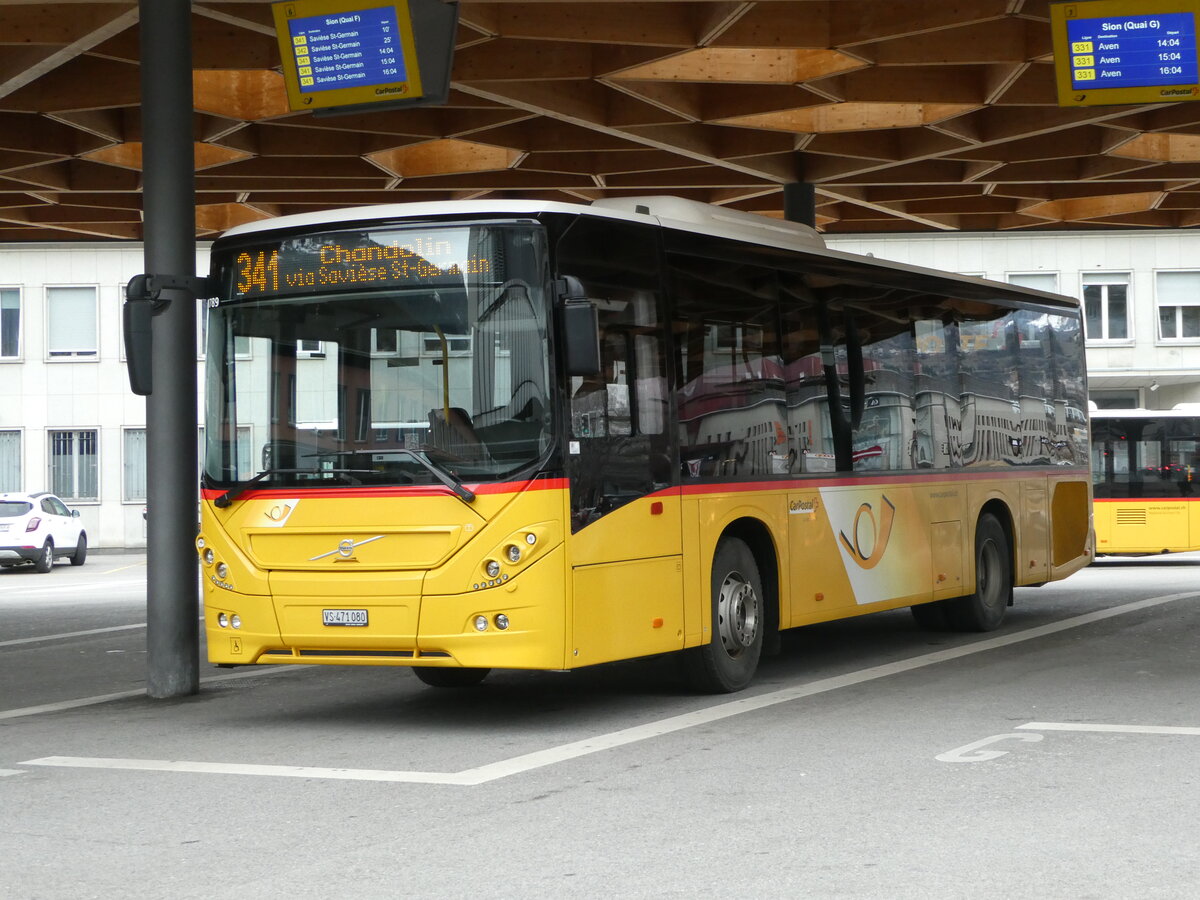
{"x": 207, "y": 768}
{"x": 140, "y": 565}
{"x": 553, "y": 755}
{"x": 1110, "y": 729}
{"x": 5, "y": 772}
{"x": 973, "y": 752}
{"x": 71, "y": 634}
{"x": 63, "y": 705}
{"x": 10, "y": 590}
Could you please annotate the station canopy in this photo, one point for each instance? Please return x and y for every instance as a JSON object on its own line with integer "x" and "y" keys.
{"x": 906, "y": 115}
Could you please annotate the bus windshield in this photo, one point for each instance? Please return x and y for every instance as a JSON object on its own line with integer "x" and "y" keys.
{"x": 378, "y": 356}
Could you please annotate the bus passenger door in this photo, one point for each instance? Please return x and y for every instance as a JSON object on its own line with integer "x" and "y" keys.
{"x": 626, "y": 544}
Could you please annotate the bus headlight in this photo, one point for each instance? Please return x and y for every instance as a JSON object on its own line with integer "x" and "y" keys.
{"x": 208, "y": 556}
{"x": 492, "y": 568}
{"x": 502, "y": 621}
{"x": 223, "y": 620}
{"x": 222, "y": 571}
{"x": 481, "y": 623}
{"x": 513, "y": 552}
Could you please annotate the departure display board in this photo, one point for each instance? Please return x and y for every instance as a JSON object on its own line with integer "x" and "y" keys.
{"x": 1110, "y": 52}
{"x": 343, "y": 54}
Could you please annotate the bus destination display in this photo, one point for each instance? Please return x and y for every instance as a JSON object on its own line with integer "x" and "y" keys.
{"x": 1111, "y": 52}
{"x": 336, "y": 262}
{"x": 337, "y": 57}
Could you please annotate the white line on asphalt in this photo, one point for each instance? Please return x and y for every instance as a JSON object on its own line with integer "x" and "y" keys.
{"x": 4, "y": 772}
{"x": 10, "y": 590}
{"x": 552, "y": 755}
{"x": 71, "y": 634}
{"x": 63, "y": 705}
{"x": 1110, "y": 729}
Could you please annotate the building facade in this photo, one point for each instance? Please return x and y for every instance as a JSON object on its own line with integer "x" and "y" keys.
{"x": 70, "y": 424}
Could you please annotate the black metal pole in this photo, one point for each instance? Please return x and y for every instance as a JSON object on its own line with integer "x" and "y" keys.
{"x": 800, "y": 203}
{"x": 169, "y": 220}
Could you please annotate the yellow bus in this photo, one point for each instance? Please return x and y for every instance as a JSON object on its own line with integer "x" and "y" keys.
{"x": 1146, "y": 480}
{"x": 541, "y": 435}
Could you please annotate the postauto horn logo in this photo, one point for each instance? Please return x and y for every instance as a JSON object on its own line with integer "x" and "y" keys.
{"x": 878, "y": 533}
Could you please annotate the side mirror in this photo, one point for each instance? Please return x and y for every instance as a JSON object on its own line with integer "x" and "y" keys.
{"x": 143, "y": 296}
{"x": 74, "y": 514}
{"x": 136, "y": 316}
{"x": 580, "y": 329}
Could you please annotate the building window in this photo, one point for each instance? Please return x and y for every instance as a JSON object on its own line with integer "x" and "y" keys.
{"x": 71, "y": 322}
{"x": 10, "y": 323}
{"x": 134, "y": 465}
{"x": 306, "y": 349}
{"x": 1041, "y": 281}
{"x": 10, "y": 460}
{"x": 1106, "y": 306}
{"x": 74, "y": 473}
{"x": 1178, "y": 297}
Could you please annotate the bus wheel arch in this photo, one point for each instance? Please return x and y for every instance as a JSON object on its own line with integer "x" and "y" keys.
{"x": 984, "y": 608}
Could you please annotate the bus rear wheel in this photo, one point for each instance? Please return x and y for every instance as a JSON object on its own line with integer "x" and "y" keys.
{"x": 450, "y": 678}
{"x": 984, "y": 609}
{"x": 729, "y": 660}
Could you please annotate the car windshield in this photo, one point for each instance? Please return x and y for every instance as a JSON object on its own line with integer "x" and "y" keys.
{"x": 11, "y": 508}
{"x": 379, "y": 356}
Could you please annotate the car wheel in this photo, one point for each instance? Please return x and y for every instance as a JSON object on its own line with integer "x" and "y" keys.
{"x": 448, "y": 677}
{"x": 80, "y": 550}
{"x": 45, "y": 560}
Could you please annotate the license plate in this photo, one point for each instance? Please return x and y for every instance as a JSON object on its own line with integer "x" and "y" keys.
{"x": 354, "y": 617}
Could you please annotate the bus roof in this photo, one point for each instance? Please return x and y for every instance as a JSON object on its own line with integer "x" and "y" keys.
{"x": 667, "y": 212}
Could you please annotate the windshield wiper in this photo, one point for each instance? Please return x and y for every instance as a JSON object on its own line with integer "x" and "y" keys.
{"x": 238, "y": 489}
{"x": 440, "y": 474}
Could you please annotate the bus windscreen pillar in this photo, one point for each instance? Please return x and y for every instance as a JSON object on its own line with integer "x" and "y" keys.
{"x": 343, "y": 56}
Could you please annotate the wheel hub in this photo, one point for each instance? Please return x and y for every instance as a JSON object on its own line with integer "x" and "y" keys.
{"x": 737, "y": 613}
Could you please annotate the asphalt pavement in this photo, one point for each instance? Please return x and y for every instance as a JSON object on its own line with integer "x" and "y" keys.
{"x": 1054, "y": 757}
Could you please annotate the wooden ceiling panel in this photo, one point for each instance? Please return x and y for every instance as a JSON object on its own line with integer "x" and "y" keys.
{"x": 904, "y": 114}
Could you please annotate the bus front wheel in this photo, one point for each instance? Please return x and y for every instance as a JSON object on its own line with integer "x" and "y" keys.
{"x": 728, "y": 661}
{"x": 450, "y": 678}
{"x": 984, "y": 610}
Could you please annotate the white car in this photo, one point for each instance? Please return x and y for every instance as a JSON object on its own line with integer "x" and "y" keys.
{"x": 36, "y": 528}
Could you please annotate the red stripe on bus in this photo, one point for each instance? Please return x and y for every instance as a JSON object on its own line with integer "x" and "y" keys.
{"x": 416, "y": 490}
{"x": 1146, "y": 501}
{"x": 945, "y": 476}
